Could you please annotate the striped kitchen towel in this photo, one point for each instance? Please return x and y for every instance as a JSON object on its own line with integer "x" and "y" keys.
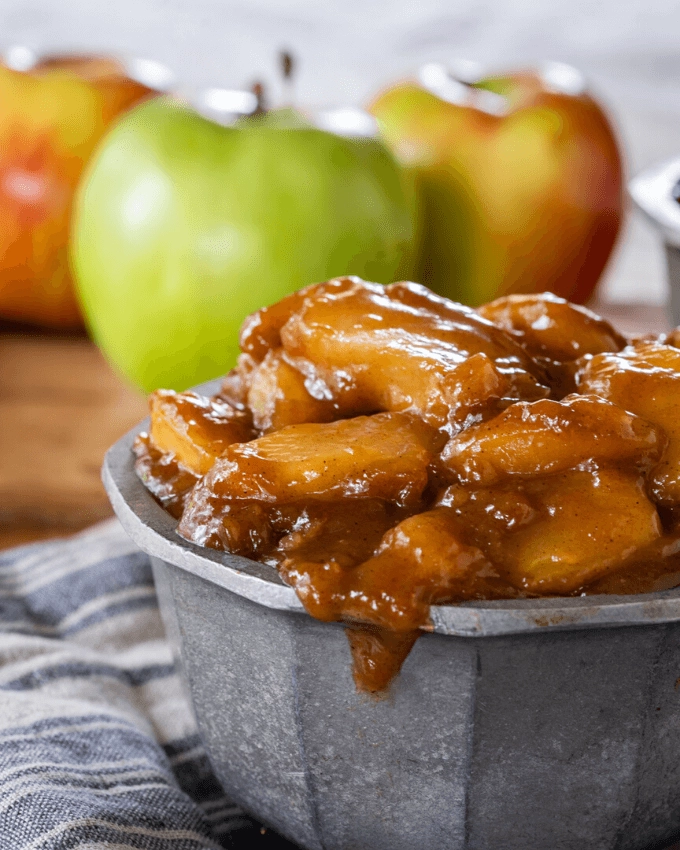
{"x": 98, "y": 747}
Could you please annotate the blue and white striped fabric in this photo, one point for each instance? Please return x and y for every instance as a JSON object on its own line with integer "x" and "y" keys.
{"x": 98, "y": 747}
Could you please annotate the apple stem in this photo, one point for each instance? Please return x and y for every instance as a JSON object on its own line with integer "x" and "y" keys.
{"x": 258, "y": 91}
{"x": 287, "y": 66}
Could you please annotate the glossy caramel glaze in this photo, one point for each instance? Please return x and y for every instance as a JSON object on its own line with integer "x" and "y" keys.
{"x": 194, "y": 429}
{"x": 169, "y": 482}
{"x": 548, "y": 326}
{"x": 645, "y": 379}
{"x": 386, "y": 450}
{"x": 541, "y": 437}
{"x": 369, "y": 348}
{"x": 277, "y": 396}
{"x": 554, "y": 332}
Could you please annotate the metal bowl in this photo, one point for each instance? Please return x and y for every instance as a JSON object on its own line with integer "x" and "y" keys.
{"x": 548, "y": 724}
{"x": 657, "y": 193}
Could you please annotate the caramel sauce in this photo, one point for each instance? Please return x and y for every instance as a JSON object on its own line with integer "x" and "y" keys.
{"x": 387, "y": 450}
{"x": 163, "y": 476}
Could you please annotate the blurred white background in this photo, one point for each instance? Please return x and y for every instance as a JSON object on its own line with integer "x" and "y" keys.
{"x": 347, "y": 49}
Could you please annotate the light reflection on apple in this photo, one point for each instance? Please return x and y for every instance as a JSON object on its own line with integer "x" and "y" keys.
{"x": 460, "y": 91}
{"x": 346, "y": 121}
{"x": 563, "y": 79}
{"x": 224, "y": 106}
{"x": 146, "y": 203}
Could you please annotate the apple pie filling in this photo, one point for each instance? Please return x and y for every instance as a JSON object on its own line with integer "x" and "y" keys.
{"x": 386, "y": 450}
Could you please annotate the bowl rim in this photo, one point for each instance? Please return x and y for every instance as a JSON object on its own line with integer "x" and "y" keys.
{"x": 652, "y": 192}
{"x": 154, "y": 531}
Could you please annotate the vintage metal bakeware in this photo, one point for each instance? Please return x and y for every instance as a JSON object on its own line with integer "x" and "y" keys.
{"x": 657, "y": 193}
{"x": 531, "y": 725}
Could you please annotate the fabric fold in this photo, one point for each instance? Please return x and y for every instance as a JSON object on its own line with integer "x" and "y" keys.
{"x": 98, "y": 746}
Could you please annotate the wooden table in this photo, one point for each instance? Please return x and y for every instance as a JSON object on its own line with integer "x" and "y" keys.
{"x": 62, "y": 406}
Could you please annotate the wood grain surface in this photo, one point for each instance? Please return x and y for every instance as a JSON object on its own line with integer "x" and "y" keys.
{"x": 61, "y": 407}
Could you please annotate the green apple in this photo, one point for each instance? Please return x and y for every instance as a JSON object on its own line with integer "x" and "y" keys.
{"x": 183, "y": 227}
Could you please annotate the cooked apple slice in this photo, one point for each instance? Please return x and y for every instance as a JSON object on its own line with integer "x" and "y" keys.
{"x": 590, "y": 523}
{"x": 654, "y": 353}
{"x": 367, "y": 351}
{"x": 423, "y": 300}
{"x": 654, "y": 568}
{"x": 420, "y": 562}
{"x": 545, "y": 436}
{"x": 292, "y": 480}
{"x": 194, "y": 429}
{"x": 261, "y": 331}
{"x": 385, "y": 456}
{"x": 336, "y": 577}
{"x": 548, "y": 326}
{"x": 645, "y": 379}
{"x": 277, "y": 396}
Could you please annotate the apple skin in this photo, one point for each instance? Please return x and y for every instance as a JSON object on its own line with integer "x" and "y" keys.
{"x": 527, "y": 201}
{"x": 184, "y": 227}
{"x": 51, "y": 119}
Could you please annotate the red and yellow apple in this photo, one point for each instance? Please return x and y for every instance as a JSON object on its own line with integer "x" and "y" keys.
{"x": 51, "y": 118}
{"x": 519, "y": 179}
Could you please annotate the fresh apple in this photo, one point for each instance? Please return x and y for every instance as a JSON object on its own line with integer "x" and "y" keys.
{"x": 519, "y": 179}
{"x": 51, "y": 118}
{"x": 183, "y": 227}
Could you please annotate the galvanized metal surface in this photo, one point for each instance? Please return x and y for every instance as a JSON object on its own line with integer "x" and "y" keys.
{"x": 653, "y": 192}
{"x": 533, "y": 725}
{"x": 673, "y": 267}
